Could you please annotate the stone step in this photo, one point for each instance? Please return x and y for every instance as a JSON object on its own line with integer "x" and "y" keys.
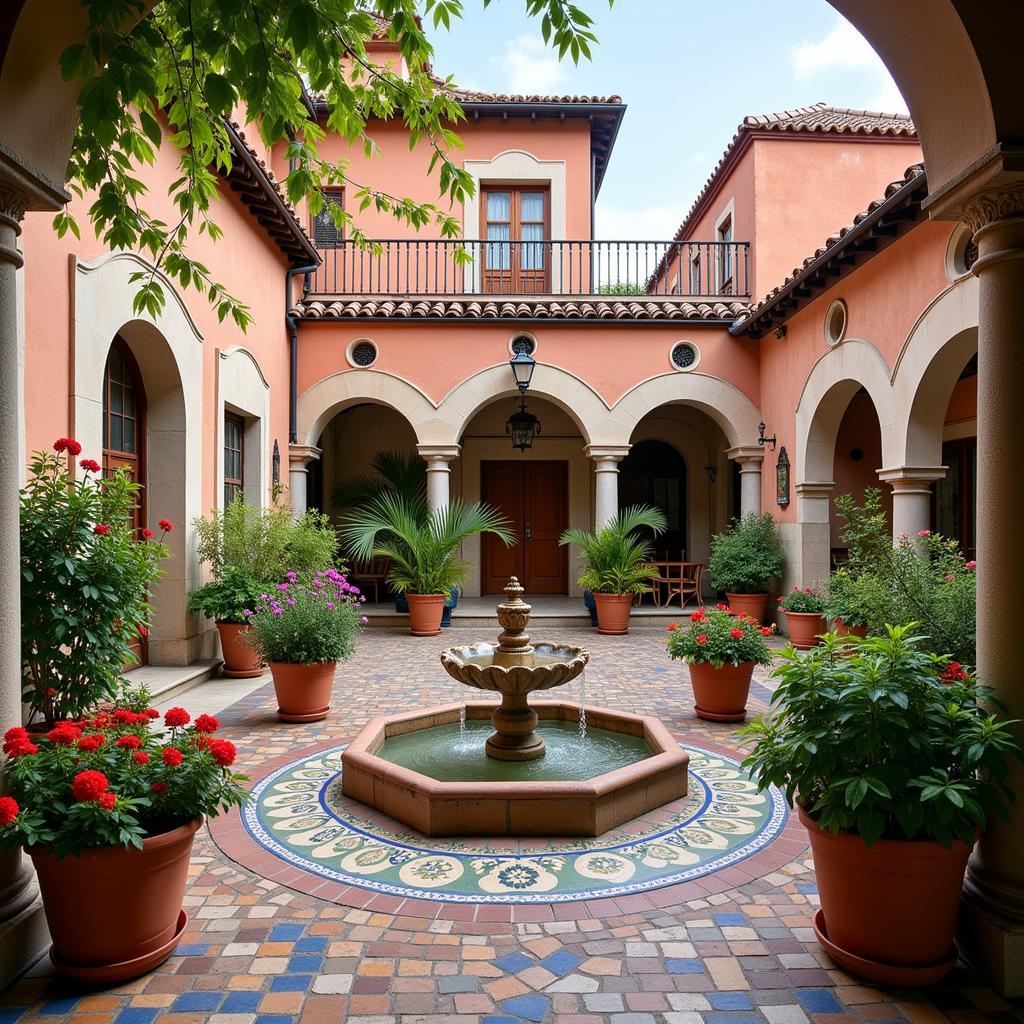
{"x": 166, "y": 682}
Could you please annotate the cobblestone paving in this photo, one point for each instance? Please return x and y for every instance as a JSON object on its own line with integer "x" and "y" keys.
{"x": 257, "y": 952}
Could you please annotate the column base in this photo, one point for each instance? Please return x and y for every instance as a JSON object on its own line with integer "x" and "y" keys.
{"x": 24, "y": 937}
{"x": 993, "y": 945}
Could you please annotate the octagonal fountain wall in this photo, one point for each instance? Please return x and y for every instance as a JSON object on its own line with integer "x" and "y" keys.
{"x": 443, "y": 772}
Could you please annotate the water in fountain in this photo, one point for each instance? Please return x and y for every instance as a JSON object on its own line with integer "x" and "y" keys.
{"x": 583, "y": 707}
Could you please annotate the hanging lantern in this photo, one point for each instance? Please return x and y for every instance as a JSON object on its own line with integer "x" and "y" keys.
{"x": 523, "y": 426}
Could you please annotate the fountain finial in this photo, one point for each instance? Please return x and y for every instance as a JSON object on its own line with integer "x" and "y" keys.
{"x": 513, "y": 614}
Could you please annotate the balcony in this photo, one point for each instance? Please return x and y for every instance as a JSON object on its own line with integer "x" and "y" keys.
{"x": 694, "y": 271}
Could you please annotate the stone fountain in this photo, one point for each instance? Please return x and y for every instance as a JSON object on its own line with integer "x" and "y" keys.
{"x": 514, "y": 669}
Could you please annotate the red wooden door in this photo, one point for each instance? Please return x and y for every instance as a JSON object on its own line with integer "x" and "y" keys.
{"x": 535, "y": 497}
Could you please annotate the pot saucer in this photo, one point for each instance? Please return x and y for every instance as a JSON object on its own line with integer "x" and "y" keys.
{"x": 104, "y": 974}
{"x": 714, "y": 716}
{"x": 886, "y": 974}
{"x": 310, "y": 716}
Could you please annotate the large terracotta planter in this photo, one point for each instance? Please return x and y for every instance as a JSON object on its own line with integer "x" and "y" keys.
{"x": 720, "y": 694}
{"x": 303, "y": 691}
{"x": 240, "y": 660}
{"x": 613, "y": 613}
{"x": 115, "y": 913}
{"x": 844, "y": 630}
{"x": 425, "y": 611}
{"x": 755, "y": 605}
{"x": 888, "y": 911}
{"x": 804, "y": 629}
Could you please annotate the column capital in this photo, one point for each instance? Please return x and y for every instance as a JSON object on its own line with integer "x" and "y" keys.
{"x": 13, "y": 203}
{"x": 301, "y": 455}
{"x": 815, "y": 488}
{"x": 994, "y": 205}
{"x": 912, "y": 479}
{"x": 438, "y": 452}
{"x": 746, "y": 454}
{"x": 609, "y": 454}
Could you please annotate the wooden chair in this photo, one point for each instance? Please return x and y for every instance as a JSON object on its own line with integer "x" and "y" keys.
{"x": 372, "y": 573}
{"x": 679, "y": 579}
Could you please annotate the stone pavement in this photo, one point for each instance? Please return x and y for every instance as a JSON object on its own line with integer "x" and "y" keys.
{"x": 257, "y": 952}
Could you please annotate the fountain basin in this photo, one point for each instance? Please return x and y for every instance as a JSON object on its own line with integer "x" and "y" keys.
{"x": 524, "y": 806}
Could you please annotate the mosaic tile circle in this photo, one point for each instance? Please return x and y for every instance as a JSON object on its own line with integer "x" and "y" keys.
{"x": 299, "y": 814}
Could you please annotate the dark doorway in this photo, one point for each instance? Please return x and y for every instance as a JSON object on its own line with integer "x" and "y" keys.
{"x": 654, "y": 473}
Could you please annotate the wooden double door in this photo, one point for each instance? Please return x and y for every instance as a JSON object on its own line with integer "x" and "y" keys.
{"x": 534, "y": 496}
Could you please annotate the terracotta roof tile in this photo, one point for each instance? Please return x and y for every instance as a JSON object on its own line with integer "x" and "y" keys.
{"x": 639, "y": 309}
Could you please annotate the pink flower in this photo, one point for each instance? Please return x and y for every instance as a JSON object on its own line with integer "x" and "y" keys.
{"x": 949, "y": 579}
{"x": 971, "y": 565}
{"x": 924, "y": 533}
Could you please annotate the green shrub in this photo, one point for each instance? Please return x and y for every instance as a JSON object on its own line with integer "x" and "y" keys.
{"x": 865, "y": 530}
{"x": 746, "y": 556}
{"x": 226, "y": 599}
{"x": 862, "y": 600}
{"x": 807, "y": 600}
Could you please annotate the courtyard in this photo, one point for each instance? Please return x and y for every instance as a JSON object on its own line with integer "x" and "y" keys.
{"x": 272, "y": 943}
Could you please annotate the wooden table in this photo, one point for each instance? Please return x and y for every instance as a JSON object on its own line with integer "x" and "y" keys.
{"x": 677, "y": 579}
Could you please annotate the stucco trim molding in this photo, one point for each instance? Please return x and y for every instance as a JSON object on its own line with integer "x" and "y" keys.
{"x": 244, "y": 390}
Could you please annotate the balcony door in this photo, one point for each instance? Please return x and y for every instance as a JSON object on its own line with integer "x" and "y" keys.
{"x": 515, "y": 226}
{"x": 535, "y": 497}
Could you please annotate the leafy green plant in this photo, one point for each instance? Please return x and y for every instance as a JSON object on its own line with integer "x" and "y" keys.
{"x": 617, "y": 553}
{"x": 882, "y": 738}
{"x": 859, "y": 600}
{"x": 746, "y": 556}
{"x": 807, "y": 600}
{"x": 265, "y": 543}
{"x": 420, "y": 542}
{"x": 85, "y": 577}
{"x": 394, "y": 472}
{"x": 715, "y": 636}
{"x": 227, "y": 598}
{"x": 307, "y": 623}
{"x": 864, "y": 531}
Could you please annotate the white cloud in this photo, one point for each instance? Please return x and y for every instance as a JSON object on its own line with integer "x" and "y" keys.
{"x": 529, "y": 66}
{"x": 638, "y": 222}
{"x": 843, "y": 48}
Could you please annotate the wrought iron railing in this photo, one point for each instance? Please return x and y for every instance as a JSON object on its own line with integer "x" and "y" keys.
{"x": 703, "y": 270}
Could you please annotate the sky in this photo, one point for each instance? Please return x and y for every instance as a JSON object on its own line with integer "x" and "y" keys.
{"x": 688, "y": 70}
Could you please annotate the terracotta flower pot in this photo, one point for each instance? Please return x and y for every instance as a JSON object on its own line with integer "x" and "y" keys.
{"x": 303, "y": 691}
{"x": 753, "y": 604}
{"x": 720, "y": 694}
{"x": 240, "y": 660}
{"x": 613, "y": 613}
{"x": 804, "y": 629}
{"x": 844, "y": 630}
{"x": 425, "y": 611}
{"x": 115, "y": 913}
{"x": 888, "y": 911}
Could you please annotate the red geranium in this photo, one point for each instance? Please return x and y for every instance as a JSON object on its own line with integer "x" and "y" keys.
{"x": 175, "y": 717}
{"x": 129, "y": 742}
{"x": 90, "y": 465}
{"x": 147, "y": 533}
{"x": 89, "y": 785}
{"x": 64, "y": 734}
{"x": 166, "y": 525}
{"x": 736, "y": 634}
{"x": 223, "y": 752}
{"x": 172, "y": 757}
{"x": 107, "y": 801}
{"x": 67, "y": 444}
{"x": 101, "y": 528}
{"x": 92, "y": 743}
{"x": 206, "y": 723}
{"x": 159, "y": 788}
{"x": 150, "y": 713}
{"x": 140, "y": 757}
{"x": 20, "y": 747}
{"x": 9, "y": 810}
{"x": 702, "y": 639}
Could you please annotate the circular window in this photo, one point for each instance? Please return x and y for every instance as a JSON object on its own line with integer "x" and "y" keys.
{"x": 961, "y": 253}
{"x": 835, "y": 322}
{"x": 522, "y": 343}
{"x": 684, "y": 355}
{"x": 362, "y": 353}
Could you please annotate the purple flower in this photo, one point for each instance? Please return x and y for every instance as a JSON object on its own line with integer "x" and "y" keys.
{"x": 290, "y": 601}
{"x": 330, "y": 606}
{"x": 246, "y": 613}
{"x": 277, "y": 612}
{"x": 363, "y": 619}
{"x": 282, "y": 586}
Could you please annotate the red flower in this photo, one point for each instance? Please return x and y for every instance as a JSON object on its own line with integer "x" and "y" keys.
{"x": 147, "y": 533}
{"x": 971, "y": 565}
{"x": 90, "y": 744}
{"x": 151, "y": 713}
{"x": 954, "y": 673}
{"x": 172, "y": 757}
{"x": 698, "y": 616}
{"x": 166, "y": 525}
{"x": 143, "y": 631}
{"x": 140, "y": 757}
{"x": 765, "y": 631}
{"x": 90, "y": 465}
{"x": 89, "y": 785}
{"x": 9, "y": 810}
{"x": 129, "y": 742}
{"x": 736, "y": 634}
{"x": 207, "y": 723}
{"x": 176, "y": 716}
{"x": 159, "y": 788}
{"x": 64, "y": 734}
{"x": 702, "y": 639}
{"x": 102, "y": 529}
{"x": 778, "y": 600}
{"x": 223, "y": 752}
{"x": 20, "y": 747}
{"x": 16, "y": 732}
{"x": 107, "y": 801}
{"x": 722, "y": 607}
{"x": 67, "y": 444}
{"x": 124, "y": 717}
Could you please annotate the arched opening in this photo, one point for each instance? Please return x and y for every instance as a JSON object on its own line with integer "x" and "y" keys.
{"x": 654, "y": 473}
{"x": 955, "y": 498}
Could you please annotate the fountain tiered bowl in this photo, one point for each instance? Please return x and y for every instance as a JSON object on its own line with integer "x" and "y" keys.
{"x": 550, "y": 768}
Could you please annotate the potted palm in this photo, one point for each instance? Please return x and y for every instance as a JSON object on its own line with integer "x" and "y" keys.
{"x": 896, "y": 762}
{"x": 107, "y": 808}
{"x": 225, "y": 600}
{"x": 302, "y": 629}
{"x": 421, "y": 545}
{"x": 744, "y": 559}
{"x": 616, "y": 559}
{"x": 721, "y": 649}
{"x": 805, "y": 616}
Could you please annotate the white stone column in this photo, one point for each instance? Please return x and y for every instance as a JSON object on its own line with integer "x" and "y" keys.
{"x": 750, "y": 457}
{"x": 606, "y": 479}
{"x": 299, "y": 458}
{"x": 809, "y": 559}
{"x": 992, "y": 922}
{"x": 911, "y": 497}
{"x": 438, "y": 459}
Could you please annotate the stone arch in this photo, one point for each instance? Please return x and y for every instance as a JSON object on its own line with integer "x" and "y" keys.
{"x": 169, "y": 354}
{"x": 938, "y": 347}
{"x": 582, "y": 404}
{"x": 729, "y": 407}
{"x": 836, "y": 377}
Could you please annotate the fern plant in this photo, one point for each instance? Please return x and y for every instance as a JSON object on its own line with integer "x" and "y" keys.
{"x": 420, "y": 543}
{"x": 617, "y": 554}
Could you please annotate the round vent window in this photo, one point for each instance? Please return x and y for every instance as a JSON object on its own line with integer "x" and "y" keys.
{"x": 684, "y": 355}
{"x": 362, "y": 353}
{"x": 522, "y": 343}
{"x": 961, "y": 253}
{"x": 835, "y": 322}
